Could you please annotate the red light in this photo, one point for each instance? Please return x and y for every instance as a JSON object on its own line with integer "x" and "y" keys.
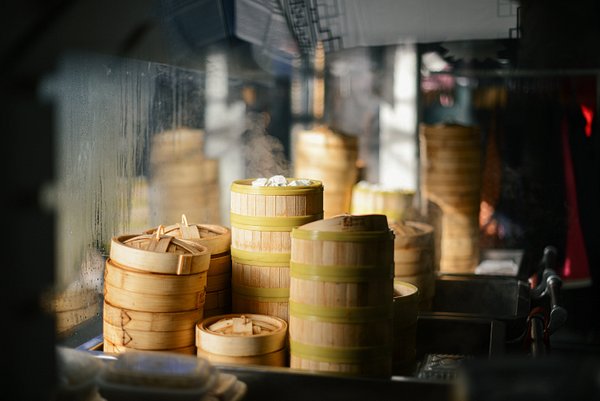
{"x": 588, "y": 114}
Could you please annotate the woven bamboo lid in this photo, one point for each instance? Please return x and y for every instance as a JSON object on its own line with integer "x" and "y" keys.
{"x": 346, "y": 227}
{"x": 159, "y": 253}
{"x": 215, "y": 237}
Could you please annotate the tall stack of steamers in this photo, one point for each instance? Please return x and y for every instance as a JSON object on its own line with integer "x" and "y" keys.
{"x": 451, "y": 178}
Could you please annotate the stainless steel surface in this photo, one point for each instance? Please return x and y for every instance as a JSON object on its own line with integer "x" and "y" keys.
{"x": 506, "y": 299}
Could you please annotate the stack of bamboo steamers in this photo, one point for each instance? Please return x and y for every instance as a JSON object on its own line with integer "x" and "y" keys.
{"x": 341, "y": 296}
{"x": 330, "y": 157}
{"x": 308, "y": 293}
{"x": 183, "y": 180}
{"x": 217, "y": 239}
{"x": 414, "y": 241}
{"x": 262, "y": 218}
{"x": 451, "y": 178}
{"x": 154, "y": 293}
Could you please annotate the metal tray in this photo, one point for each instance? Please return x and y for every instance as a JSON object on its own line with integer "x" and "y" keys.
{"x": 475, "y": 337}
{"x": 444, "y": 343}
{"x": 506, "y": 299}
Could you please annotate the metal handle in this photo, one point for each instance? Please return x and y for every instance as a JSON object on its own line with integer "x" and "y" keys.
{"x": 545, "y": 267}
{"x": 558, "y": 314}
{"x": 547, "y": 291}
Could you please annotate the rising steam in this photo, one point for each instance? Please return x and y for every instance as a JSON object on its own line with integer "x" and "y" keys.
{"x": 264, "y": 153}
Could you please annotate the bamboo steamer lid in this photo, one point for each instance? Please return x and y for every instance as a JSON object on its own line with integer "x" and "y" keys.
{"x": 151, "y": 321}
{"x": 215, "y": 237}
{"x": 346, "y": 227}
{"x": 241, "y": 335}
{"x": 159, "y": 253}
{"x": 139, "y": 282}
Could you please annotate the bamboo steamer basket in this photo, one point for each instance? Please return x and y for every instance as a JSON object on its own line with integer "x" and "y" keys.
{"x": 217, "y": 303}
{"x": 445, "y": 134}
{"x": 159, "y": 253}
{"x": 451, "y": 177}
{"x": 112, "y": 348}
{"x": 372, "y": 199}
{"x": 218, "y": 287}
{"x": 138, "y": 282}
{"x": 245, "y": 339}
{"x": 331, "y": 157}
{"x": 261, "y": 221}
{"x": 406, "y": 308}
{"x": 450, "y": 157}
{"x": 341, "y": 295}
{"x": 337, "y": 193}
{"x": 154, "y": 303}
{"x": 152, "y": 292}
{"x": 413, "y": 248}
{"x": 218, "y": 282}
{"x": 176, "y": 144}
{"x": 325, "y": 147}
{"x": 200, "y": 204}
{"x": 220, "y": 264}
{"x": 182, "y": 179}
{"x": 425, "y": 283}
{"x": 148, "y": 340}
{"x": 151, "y": 321}
{"x": 195, "y": 170}
{"x": 72, "y": 307}
{"x": 459, "y": 242}
{"x": 217, "y": 239}
{"x": 71, "y": 299}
